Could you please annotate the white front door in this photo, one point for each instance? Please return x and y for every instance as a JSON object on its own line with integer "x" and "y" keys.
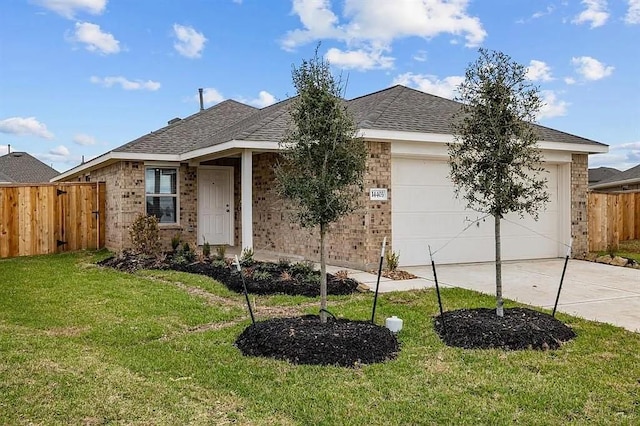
{"x": 215, "y": 205}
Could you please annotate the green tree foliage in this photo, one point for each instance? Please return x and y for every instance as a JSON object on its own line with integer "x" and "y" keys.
{"x": 495, "y": 162}
{"x": 322, "y": 164}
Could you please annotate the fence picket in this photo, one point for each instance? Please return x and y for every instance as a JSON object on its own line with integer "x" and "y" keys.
{"x": 34, "y": 217}
{"x": 613, "y": 217}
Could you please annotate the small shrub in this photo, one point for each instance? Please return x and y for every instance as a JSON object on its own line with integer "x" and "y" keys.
{"x": 285, "y": 276}
{"x": 145, "y": 237}
{"x": 186, "y": 248}
{"x": 342, "y": 275}
{"x": 392, "y": 259}
{"x": 219, "y": 263}
{"x": 302, "y": 268}
{"x": 206, "y": 249}
{"x": 175, "y": 242}
{"x": 312, "y": 278}
{"x": 246, "y": 258}
{"x": 221, "y": 252}
{"x": 261, "y": 276}
{"x": 284, "y": 263}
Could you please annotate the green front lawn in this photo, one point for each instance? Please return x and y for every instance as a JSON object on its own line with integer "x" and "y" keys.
{"x": 629, "y": 249}
{"x": 84, "y": 345}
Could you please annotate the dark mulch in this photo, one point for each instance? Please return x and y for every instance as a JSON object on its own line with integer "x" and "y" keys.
{"x": 260, "y": 277}
{"x": 520, "y": 328}
{"x": 305, "y": 340}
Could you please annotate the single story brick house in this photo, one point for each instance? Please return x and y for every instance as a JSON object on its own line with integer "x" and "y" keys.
{"x": 210, "y": 177}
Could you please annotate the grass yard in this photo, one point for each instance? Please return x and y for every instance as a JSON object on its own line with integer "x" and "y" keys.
{"x": 630, "y": 249}
{"x": 84, "y": 345}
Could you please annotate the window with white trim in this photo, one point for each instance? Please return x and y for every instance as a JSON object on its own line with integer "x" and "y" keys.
{"x": 161, "y": 188}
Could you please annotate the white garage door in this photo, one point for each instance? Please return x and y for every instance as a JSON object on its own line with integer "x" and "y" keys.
{"x": 426, "y": 212}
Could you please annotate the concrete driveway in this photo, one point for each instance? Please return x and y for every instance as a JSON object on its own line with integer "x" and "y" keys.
{"x": 591, "y": 290}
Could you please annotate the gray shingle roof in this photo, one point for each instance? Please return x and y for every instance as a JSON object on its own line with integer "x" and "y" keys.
{"x": 601, "y": 173}
{"x": 192, "y": 132}
{"x": 632, "y": 174}
{"x": 396, "y": 108}
{"x": 20, "y": 167}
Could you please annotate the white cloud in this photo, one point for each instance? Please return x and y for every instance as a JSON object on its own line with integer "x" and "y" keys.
{"x": 595, "y": 13}
{"x": 69, "y": 8}
{"x": 190, "y": 42}
{"x": 633, "y": 13}
{"x": 570, "y": 80}
{"x": 375, "y": 24}
{"x": 538, "y": 71}
{"x": 590, "y": 68}
{"x": 84, "y": 140}
{"x": 420, "y": 56}
{"x": 210, "y": 96}
{"x": 621, "y": 156}
{"x": 25, "y": 126}
{"x": 318, "y": 21}
{"x": 60, "y": 150}
{"x": 548, "y": 11}
{"x": 264, "y": 99}
{"x": 125, "y": 83}
{"x": 360, "y": 59}
{"x": 95, "y": 39}
{"x": 552, "y": 106}
{"x": 445, "y": 88}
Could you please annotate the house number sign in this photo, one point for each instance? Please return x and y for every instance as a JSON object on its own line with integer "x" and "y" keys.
{"x": 378, "y": 194}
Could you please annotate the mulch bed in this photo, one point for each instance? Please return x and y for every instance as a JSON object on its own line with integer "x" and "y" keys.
{"x": 396, "y": 275}
{"x": 519, "y": 329}
{"x": 305, "y": 340}
{"x": 260, "y": 277}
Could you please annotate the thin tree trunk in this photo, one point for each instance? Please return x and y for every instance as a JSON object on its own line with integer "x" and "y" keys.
{"x": 323, "y": 275}
{"x": 499, "y": 301}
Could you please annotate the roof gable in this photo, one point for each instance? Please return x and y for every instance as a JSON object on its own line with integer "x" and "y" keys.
{"x": 192, "y": 132}
{"x": 602, "y": 173}
{"x": 20, "y": 167}
{"x": 628, "y": 176}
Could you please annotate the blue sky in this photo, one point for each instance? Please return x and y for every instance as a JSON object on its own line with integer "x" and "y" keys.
{"x": 81, "y": 77}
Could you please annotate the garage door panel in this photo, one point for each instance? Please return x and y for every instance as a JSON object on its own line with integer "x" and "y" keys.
{"x": 425, "y": 211}
{"x": 422, "y": 172}
{"x": 429, "y": 198}
{"x": 436, "y": 225}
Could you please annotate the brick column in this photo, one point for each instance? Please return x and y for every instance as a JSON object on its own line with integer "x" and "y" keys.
{"x": 579, "y": 197}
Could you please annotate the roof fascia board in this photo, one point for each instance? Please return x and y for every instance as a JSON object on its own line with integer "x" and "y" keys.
{"x": 111, "y": 157}
{"x": 436, "y": 150}
{"x": 616, "y": 183}
{"x": 232, "y": 144}
{"x": 395, "y": 135}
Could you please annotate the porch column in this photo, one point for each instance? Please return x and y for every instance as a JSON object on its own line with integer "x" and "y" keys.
{"x": 247, "y": 199}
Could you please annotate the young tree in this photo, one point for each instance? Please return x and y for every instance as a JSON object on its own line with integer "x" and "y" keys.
{"x": 495, "y": 163}
{"x": 322, "y": 165}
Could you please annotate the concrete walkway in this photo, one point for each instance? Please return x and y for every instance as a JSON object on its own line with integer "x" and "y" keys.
{"x": 592, "y": 291}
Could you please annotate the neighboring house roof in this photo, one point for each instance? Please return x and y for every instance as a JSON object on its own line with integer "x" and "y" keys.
{"x": 20, "y": 167}
{"x": 397, "y": 108}
{"x": 628, "y": 177}
{"x": 601, "y": 173}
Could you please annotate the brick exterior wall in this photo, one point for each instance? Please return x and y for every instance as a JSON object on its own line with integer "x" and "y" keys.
{"x": 579, "y": 213}
{"x": 125, "y": 200}
{"x": 354, "y": 241}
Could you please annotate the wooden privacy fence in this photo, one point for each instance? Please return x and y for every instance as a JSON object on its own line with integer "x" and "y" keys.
{"x": 613, "y": 218}
{"x": 51, "y": 218}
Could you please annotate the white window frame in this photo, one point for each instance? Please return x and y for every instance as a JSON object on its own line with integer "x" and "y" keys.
{"x": 168, "y": 166}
